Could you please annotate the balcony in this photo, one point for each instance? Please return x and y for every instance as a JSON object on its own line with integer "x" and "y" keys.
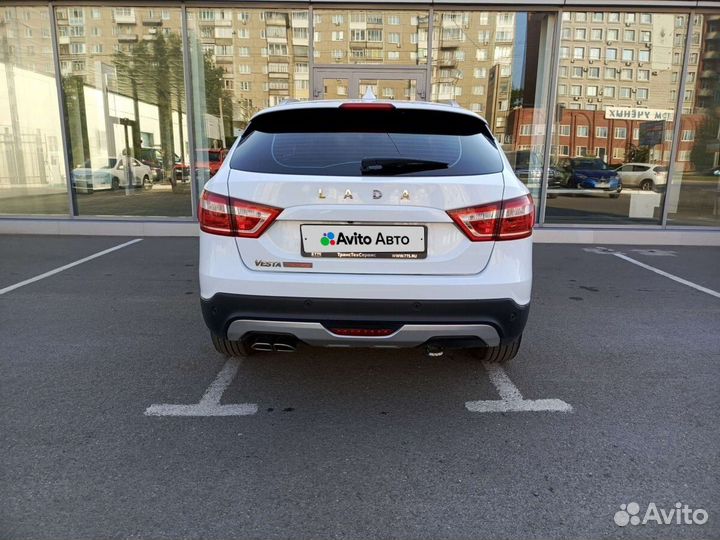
{"x": 449, "y": 43}
{"x": 448, "y": 61}
{"x": 711, "y": 55}
{"x": 127, "y": 38}
{"x": 152, "y": 21}
{"x": 124, "y": 18}
{"x": 276, "y": 20}
{"x": 706, "y": 92}
{"x": 708, "y": 74}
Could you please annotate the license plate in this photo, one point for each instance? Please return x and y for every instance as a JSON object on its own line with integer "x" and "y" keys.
{"x": 603, "y": 184}
{"x": 364, "y": 241}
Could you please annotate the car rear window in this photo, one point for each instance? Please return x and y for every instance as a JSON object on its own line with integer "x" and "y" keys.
{"x": 333, "y": 141}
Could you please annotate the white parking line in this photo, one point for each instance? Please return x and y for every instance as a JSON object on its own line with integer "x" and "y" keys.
{"x": 65, "y": 267}
{"x": 209, "y": 404}
{"x": 511, "y": 398}
{"x": 667, "y": 275}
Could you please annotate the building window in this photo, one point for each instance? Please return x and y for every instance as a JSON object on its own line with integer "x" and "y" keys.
{"x": 620, "y": 133}
{"x": 582, "y": 131}
{"x": 687, "y": 135}
{"x": 565, "y": 130}
{"x": 601, "y": 132}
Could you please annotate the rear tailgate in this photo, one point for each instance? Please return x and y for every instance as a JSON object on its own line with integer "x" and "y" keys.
{"x": 336, "y": 219}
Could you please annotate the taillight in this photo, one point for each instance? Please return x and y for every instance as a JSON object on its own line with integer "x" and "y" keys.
{"x": 232, "y": 217}
{"x": 517, "y": 219}
{"x": 504, "y": 220}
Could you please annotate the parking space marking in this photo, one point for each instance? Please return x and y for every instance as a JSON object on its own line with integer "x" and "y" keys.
{"x": 209, "y": 404}
{"x": 668, "y": 275}
{"x": 511, "y": 400}
{"x": 67, "y": 266}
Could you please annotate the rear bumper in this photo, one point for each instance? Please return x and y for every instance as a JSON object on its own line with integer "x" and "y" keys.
{"x": 415, "y": 322}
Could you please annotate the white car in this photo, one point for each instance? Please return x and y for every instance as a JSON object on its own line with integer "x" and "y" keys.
{"x": 109, "y": 173}
{"x": 366, "y": 224}
{"x": 646, "y": 176}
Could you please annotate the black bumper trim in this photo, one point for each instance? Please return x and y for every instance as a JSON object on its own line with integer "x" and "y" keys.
{"x": 505, "y": 315}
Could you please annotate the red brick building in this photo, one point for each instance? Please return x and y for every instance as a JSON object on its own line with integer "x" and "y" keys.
{"x": 590, "y": 133}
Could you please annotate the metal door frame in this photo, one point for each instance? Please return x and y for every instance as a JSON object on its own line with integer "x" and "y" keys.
{"x": 354, "y": 73}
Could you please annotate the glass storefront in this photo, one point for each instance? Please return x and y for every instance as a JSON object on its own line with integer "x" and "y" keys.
{"x": 695, "y": 194}
{"x": 123, "y": 87}
{"x": 617, "y": 87}
{"x": 604, "y": 114}
{"x": 498, "y": 65}
{"x": 242, "y": 61}
{"x": 32, "y": 158}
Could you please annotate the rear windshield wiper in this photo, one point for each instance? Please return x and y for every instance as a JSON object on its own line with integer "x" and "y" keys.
{"x": 390, "y": 166}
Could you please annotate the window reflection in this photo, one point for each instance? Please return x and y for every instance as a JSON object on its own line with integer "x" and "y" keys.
{"x": 32, "y": 166}
{"x": 123, "y": 85}
{"x": 616, "y": 97}
{"x": 243, "y": 60}
{"x": 695, "y": 199}
{"x": 370, "y": 37}
{"x": 496, "y": 64}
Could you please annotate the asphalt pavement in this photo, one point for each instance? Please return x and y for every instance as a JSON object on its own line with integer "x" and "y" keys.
{"x": 353, "y": 444}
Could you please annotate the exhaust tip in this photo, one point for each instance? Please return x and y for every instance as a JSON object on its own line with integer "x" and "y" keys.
{"x": 261, "y": 346}
{"x": 283, "y": 347}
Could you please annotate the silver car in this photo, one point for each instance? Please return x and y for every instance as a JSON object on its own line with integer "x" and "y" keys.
{"x": 646, "y": 176}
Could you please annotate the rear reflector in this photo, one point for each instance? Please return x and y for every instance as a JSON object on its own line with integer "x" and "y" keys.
{"x": 366, "y": 332}
{"x": 359, "y": 106}
{"x": 226, "y": 216}
{"x": 503, "y": 220}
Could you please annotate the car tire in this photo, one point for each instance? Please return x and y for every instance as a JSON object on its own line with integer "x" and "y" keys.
{"x": 114, "y": 184}
{"x": 646, "y": 185}
{"x": 226, "y": 347}
{"x": 500, "y": 354}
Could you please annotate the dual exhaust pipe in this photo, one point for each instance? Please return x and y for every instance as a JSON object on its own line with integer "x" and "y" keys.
{"x": 273, "y": 344}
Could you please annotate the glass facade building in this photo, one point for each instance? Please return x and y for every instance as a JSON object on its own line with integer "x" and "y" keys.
{"x": 125, "y": 111}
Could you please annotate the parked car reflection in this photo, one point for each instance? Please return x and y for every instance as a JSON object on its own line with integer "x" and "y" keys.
{"x": 592, "y": 175}
{"x": 110, "y": 174}
{"x": 528, "y": 168}
{"x": 646, "y": 176}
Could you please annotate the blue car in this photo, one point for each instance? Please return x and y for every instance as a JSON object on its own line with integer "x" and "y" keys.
{"x": 592, "y": 174}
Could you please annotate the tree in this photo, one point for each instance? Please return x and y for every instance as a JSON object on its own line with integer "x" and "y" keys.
{"x": 637, "y": 154}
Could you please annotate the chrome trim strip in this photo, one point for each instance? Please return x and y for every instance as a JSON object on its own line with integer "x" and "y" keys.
{"x": 409, "y": 335}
